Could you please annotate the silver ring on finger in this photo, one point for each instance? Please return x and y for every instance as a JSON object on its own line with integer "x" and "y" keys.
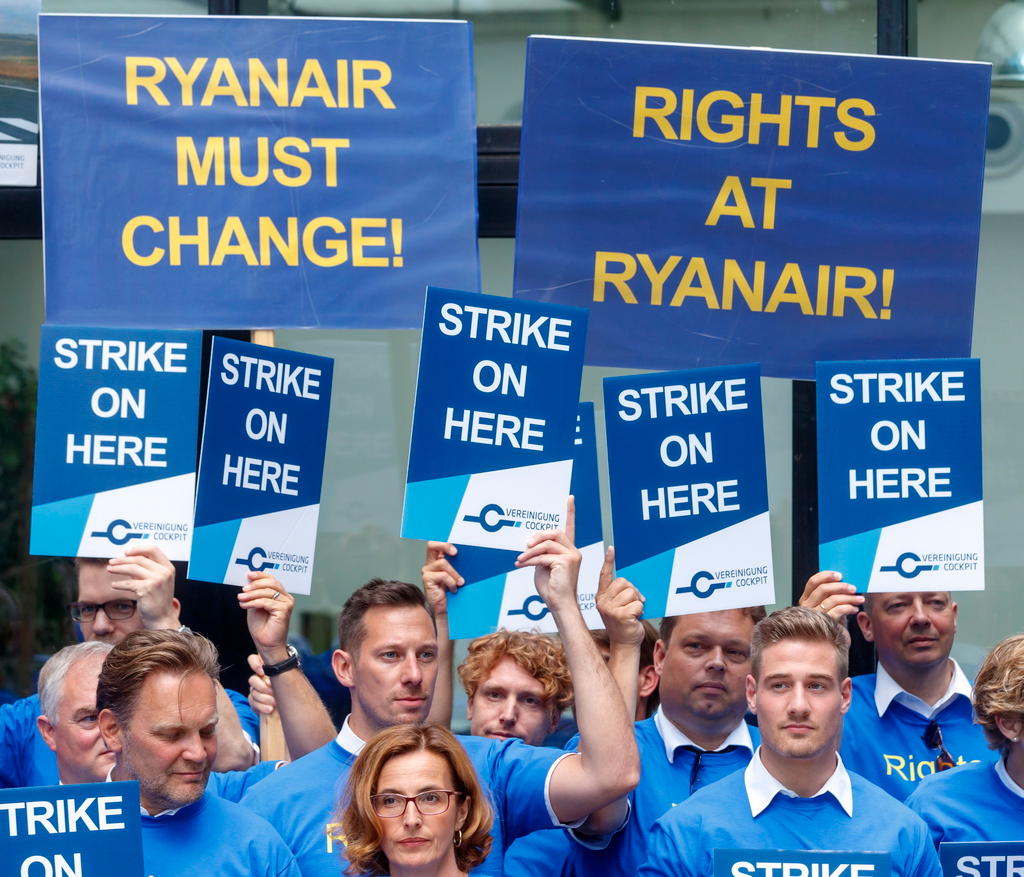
{"x": 276, "y": 595}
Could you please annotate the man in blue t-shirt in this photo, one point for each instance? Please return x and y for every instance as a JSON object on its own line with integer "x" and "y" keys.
{"x": 795, "y": 794}
{"x": 158, "y": 715}
{"x": 388, "y": 659}
{"x": 913, "y": 716}
{"x": 132, "y": 592}
{"x": 698, "y": 734}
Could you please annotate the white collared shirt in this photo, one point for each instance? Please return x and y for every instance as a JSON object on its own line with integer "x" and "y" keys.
{"x": 1008, "y": 780}
{"x": 888, "y": 690}
{"x": 762, "y": 787}
{"x": 673, "y": 737}
{"x": 348, "y": 740}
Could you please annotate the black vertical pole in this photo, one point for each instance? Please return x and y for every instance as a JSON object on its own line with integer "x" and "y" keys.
{"x": 896, "y": 35}
{"x": 222, "y": 7}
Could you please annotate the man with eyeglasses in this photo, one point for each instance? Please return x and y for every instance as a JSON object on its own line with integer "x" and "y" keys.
{"x": 132, "y": 592}
{"x": 913, "y": 716}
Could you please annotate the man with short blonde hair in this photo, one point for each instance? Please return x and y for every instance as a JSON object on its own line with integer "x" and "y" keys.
{"x": 795, "y": 794}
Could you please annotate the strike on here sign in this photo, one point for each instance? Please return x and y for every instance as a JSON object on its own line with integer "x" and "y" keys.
{"x": 800, "y": 863}
{"x": 59, "y": 831}
{"x": 688, "y": 488}
{"x": 261, "y": 466}
{"x": 116, "y": 425}
{"x": 899, "y": 474}
{"x": 490, "y": 460}
{"x": 988, "y": 859}
{"x": 496, "y": 594}
{"x": 704, "y": 202}
{"x": 322, "y": 170}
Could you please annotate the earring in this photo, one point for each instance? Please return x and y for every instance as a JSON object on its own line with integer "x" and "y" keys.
{"x": 457, "y": 840}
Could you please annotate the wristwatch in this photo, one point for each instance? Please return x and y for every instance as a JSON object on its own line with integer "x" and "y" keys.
{"x": 288, "y": 663}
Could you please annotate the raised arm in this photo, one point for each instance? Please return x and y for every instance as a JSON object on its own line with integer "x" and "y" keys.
{"x": 439, "y": 579}
{"x": 620, "y": 606}
{"x": 304, "y": 718}
{"x": 608, "y": 767}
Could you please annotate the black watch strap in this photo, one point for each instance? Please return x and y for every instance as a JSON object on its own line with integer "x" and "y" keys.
{"x": 288, "y": 663}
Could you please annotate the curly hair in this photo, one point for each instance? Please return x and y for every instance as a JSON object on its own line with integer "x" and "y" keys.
{"x": 361, "y": 825}
{"x": 540, "y": 656}
{"x": 999, "y": 689}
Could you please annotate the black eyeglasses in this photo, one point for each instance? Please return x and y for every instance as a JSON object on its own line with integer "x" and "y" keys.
{"x": 115, "y": 610}
{"x": 430, "y": 803}
{"x": 932, "y": 737}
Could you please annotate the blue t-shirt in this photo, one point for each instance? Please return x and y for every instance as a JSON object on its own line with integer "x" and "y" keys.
{"x": 663, "y": 785}
{"x": 889, "y": 751}
{"x": 547, "y": 852}
{"x": 233, "y": 784}
{"x": 718, "y": 817}
{"x": 969, "y": 804}
{"x": 214, "y": 837}
{"x": 301, "y": 799}
{"x": 26, "y": 760}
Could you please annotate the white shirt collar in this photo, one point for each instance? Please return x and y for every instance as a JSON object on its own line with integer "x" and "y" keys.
{"x": 762, "y": 787}
{"x": 672, "y": 737}
{"x": 142, "y": 810}
{"x": 1008, "y": 781}
{"x": 887, "y": 690}
{"x": 348, "y": 740}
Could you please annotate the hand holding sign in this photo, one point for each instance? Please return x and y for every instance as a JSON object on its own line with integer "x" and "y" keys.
{"x": 268, "y": 612}
{"x": 439, "y": 576}
{"x": 827, "y": 592}
{"x": 149, "y": 577}
{"x": 556, "y": 561}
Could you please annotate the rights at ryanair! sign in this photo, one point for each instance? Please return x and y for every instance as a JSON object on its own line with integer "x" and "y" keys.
{"x": 116, "y": 426}
{"x": 490, "y": 460}
{"x": 899, "y": 474}
{"x": 688, "y": 487}
{"x": 705, "y": 201}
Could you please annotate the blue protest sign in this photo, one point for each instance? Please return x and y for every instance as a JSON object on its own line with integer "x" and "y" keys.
{"x": 705, "y": 202}
{"x": 801, "y": 863}
{"x": 116, "y": 428}
{"x": 899, "y": 474}
{"x": 988, "y": 859}
{"x": 496, "y": 594}
{"x": 86, "y": 830}
{"x": 255, "y": 171}
{"x": 261, "y": 465}
{"x": 492, "y": 436}
{"x": 688, "y": 488}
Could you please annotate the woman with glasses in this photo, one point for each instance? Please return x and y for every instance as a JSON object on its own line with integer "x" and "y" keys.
{"x": 413, "y": 806}
{"x": 982, "y": 801}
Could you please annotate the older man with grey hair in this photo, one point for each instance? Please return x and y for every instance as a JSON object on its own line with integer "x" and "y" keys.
{"x": 68, "y": 716}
